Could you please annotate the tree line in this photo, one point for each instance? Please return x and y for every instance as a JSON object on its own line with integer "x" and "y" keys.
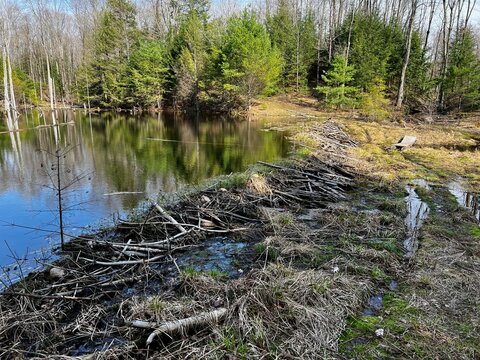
{"x": 192, "y": 54}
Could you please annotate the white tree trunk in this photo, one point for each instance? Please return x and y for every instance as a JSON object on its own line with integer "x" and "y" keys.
{"x": 50, "y": 86}
{"x": 6, "y": 97}
{"x": 13, "y": 103}
{"x": 406, "y": 59}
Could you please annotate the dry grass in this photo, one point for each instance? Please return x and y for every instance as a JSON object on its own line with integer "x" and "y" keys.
{"x": 437, "y": 155}
{"x": 258, "y": 184}
{"x": 311, "y": 276}
{"x": 296, "y": 314}
{"x": 287, "y": 108}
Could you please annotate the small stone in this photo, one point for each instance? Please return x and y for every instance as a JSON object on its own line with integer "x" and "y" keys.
{"x": 222, "y": 190}
{"x": 205, "y": 199}
{"x": 379, "y": 332}
{"x": 56, "y": 273}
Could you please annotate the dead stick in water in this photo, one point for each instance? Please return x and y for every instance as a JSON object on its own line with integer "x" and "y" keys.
{"x": 46, "y": 297}
{"x": 166, "y": 215}
{"x": 121, "y": 263}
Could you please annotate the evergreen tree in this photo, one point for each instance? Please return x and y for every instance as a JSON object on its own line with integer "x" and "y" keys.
{"x": 373, "y": 102}
{"x": 282, "y": 32}
{"x": 250, "y": 65}
{"x": 115, "y": 38}
{"x": 307, "y": 47}
{"x": 418, "y": 84}
{"x": 337, "y": 90}
{"x": 189, "y": 59}
{"x": 147, "y": 73}
{"x": 296, "y": 44}
{"x": 462, "y": 82}
{"x": 376, "y": 49}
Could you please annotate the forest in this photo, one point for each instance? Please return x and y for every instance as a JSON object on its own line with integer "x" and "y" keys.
{"x": 421, "y": 55}
{"x": 239, "y": 179}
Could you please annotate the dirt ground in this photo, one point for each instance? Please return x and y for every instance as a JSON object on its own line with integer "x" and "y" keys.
{"x": 339, "y": 252}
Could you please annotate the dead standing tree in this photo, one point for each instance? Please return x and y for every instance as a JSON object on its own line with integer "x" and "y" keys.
{"x": 62, "y": 178}
{"x": 7, "y": 20}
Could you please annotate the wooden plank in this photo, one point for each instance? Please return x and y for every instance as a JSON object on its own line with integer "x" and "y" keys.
{"x": 405, "y": 142}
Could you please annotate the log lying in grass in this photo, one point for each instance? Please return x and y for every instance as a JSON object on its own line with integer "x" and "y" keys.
{"x": 176, "y": 326}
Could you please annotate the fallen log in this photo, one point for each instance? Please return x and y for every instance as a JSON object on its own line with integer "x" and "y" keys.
{"x": 175, "y": 326}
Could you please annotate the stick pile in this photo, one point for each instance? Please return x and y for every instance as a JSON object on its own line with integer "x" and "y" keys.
{"x": 79, "y": 300}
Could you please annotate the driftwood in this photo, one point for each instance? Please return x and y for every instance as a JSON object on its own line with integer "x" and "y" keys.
{"x": 167, "y": 216}
{"x": 175, "y": 326}
{"x": 405, "y": 142}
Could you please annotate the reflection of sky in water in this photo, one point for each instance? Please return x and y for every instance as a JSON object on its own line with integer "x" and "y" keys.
{"x": 417, "y": 212}
{"x": 117, "y": 149}
{"x": 468, "y": 200}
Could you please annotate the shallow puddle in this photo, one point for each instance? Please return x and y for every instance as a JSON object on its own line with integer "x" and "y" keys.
{"x": 417, "y": 212}
{"x": 374, "y": 305}
{"x": 468, "y": 200}
{"x": 375, "y": 302}
{"x": 219, "y": 254}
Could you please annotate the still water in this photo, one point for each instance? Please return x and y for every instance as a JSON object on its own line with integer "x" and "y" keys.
{"x": 114, "y": 162}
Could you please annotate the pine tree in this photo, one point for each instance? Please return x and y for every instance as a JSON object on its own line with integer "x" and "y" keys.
{"x": 250, "y": 65}
{"x": 462, "y": 82}
{"x": 295, "y": 36}
{"x": 376, "y": 49}
{"x": 104, "y": 78}
{"x": 282, "y": 32}
{"x": 373, "y": 102}
{"x": 189, "y": 59}
{"x": 308, "y": 53}
{"x": 147, "y": 74}
{"x": 418, "y": 84}
{"x": 337, "y": 90}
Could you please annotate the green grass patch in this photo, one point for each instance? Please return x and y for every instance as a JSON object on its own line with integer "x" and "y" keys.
{"x": 475, "y": 231}
{"x": 270, "y": 252}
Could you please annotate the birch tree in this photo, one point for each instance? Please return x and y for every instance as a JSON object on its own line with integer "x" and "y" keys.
{"x": 406, "y": 59}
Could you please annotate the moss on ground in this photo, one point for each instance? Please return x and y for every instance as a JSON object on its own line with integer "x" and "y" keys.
{"x": 434, "y": 314}
{"x": 438, "y": 154}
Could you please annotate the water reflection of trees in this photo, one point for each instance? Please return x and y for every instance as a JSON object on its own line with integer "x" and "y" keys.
{"x": 121, "y": 150}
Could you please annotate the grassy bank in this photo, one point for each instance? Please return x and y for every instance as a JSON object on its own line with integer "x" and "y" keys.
{"x": 302, "y": 259}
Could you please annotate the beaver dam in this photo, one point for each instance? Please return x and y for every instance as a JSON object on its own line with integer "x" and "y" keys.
{"x": 307, "y": 258}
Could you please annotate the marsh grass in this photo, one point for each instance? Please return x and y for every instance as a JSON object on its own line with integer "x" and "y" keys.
{"x": 434, "y": 314}
{"x": 437, "y": 156}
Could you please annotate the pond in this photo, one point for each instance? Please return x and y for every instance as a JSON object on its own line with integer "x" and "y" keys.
{"x": 110, "y": 163}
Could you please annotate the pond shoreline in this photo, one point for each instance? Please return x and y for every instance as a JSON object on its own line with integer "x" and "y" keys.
{"x": 116, "y": 165}
{"x": 301, "y": 242}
